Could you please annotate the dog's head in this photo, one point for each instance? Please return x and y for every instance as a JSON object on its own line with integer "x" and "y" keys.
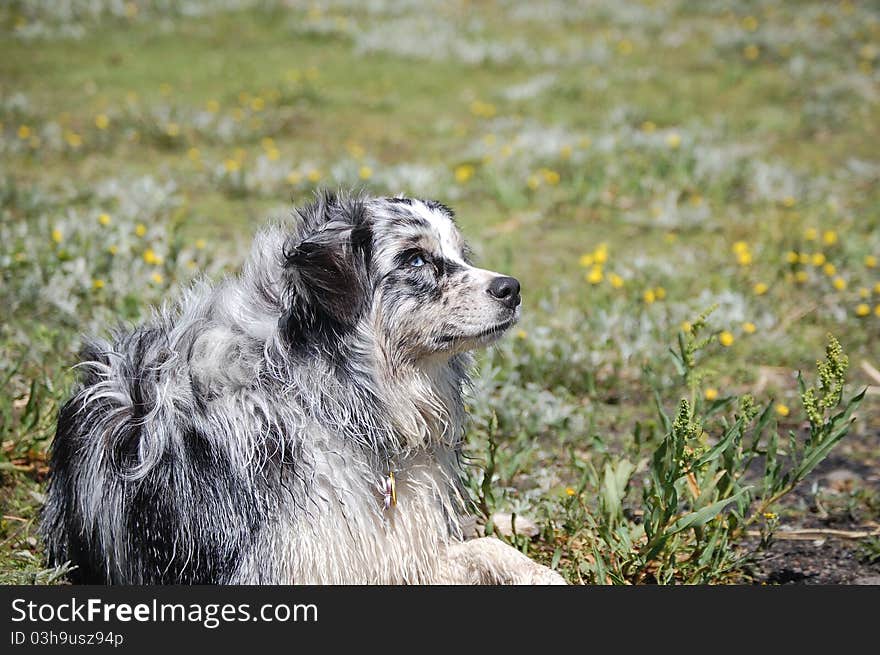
{"x": 395, "y": 270}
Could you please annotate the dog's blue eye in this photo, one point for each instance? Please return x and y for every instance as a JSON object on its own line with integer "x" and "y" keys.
{"x": 417, "y": 261}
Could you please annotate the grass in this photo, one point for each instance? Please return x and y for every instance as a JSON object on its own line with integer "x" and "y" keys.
{"x": 632, "y": 165}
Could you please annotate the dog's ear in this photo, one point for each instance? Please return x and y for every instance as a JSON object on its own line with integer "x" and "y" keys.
{"x": 328, "y": 268}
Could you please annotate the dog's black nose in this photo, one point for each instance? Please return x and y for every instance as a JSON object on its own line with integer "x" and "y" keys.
{"x": 505, "y": 289}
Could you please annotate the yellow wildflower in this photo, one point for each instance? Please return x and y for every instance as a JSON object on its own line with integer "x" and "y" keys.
{"x": 533, "y": 182}
{"x": 112, "y": 249}
{"x": 140, "y": 229}
{"x": 73, "y": 139}
{"x": 740, "y": 246}
{"x": 817, "y": 259}
{"x": 792, "y": 257}
{"x": 870, "y": 261}
{"x": 172, "y": 130}
{"x": 660, "y": 293}
{"x": 863, "y": 309}
{"x": 744, "y": 258}
{"x": 157, "y": 278}
{"x": 829, "y": 269}
{"x": 550, "y": 177}
{"x": 57, "y": 235}
{"x": 615, "y": 280}
{"x": 463, "y": 173}
{"x": 595, "y": 275}
{"x": 811, "y": 234}
{"x": 24, "y": 132}
{"x": 365, "y": 172}
{"x": 586, "y": 260}
{"x": 750, "y": 23}
{"x": 804, "y": 258}
{"x": 293, "y": 177}
{"x": 231, "y": 165}
{"x": 97, "y": 284}
{"x": 570, "y": 491}
{"x": 829, "y": 237}
{"x": 212, "y": 106}
{"x": 864, "y": 292}
{"x": 104, "y": 219}
{"x": 839, "y": 283}
{"x": 751, "y": 52}
{"x": 673, "y": 140}
{"x": 258, "y": 104}
{"x": 801, "y": 276}
{"x": 749, "y": 328}
{"x": 314, "y": 175}
{"x": 788, "y": 202}
{"x": 356, "y": 150}
{"x": 521, "y": 334}
{"x": 711, "y": 393}
{"x": 760, "y": 288}
{"x": 601, "y": 253}
{"x": 726, "y": 339}
{"x": 782, "y": 410}
{"x": 101, "y": 121}
{"x": 150, "y": 256}
{"x": 482, "y": 109}
{"x": 649, "y": 296}
{"x": 686, "y": 326}
{"x": 649, "y": 127}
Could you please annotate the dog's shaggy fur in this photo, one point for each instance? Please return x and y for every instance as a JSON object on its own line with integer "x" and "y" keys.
{"x": 251, "y": 434}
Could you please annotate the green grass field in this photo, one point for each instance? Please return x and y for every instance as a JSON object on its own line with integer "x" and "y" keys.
{"x": 633, "y": 164}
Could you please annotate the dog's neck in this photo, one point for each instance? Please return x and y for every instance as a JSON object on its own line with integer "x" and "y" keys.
{"x": 398, "y": 408}
{"x": 424, "y": 404}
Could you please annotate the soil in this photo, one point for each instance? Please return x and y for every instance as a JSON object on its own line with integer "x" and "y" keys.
{"x": 825, "y": 561}
{"x": 840, "y": 496}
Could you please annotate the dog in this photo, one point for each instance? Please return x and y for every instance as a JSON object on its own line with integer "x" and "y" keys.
{"x": 300, "y": 422}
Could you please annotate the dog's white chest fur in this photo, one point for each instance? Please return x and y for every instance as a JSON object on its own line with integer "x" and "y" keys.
{"x": 362, "y": 540}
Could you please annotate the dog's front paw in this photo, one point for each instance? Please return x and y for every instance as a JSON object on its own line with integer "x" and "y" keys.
{"x": 542, "y": 575}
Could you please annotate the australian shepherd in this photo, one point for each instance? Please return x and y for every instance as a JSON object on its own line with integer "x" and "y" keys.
{"x": 299, "y": 423}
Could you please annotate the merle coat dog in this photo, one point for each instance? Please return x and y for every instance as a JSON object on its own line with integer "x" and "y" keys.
{"x": 301, "y": 422}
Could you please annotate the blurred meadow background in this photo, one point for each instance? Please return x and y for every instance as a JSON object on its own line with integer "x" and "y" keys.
{"x": 634, "y": 164}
